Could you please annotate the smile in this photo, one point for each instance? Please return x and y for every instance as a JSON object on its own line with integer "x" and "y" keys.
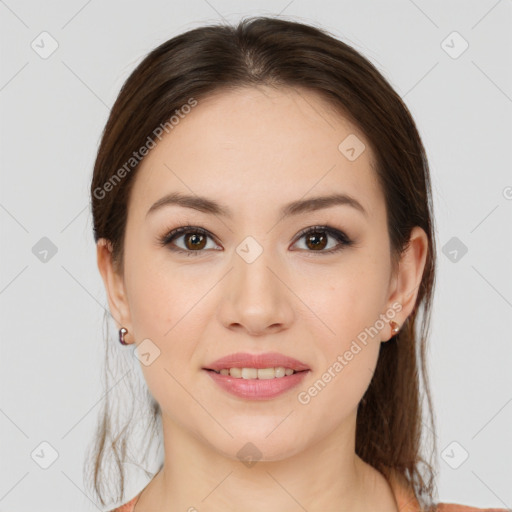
{"x": 253, "y": 387}
{"x": 256, "y": 373}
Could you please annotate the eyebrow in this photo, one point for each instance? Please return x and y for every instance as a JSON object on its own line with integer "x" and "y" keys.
{"x": 209, "y": 206}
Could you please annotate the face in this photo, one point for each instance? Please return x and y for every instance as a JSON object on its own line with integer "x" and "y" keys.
{"x": 254, "y": 280}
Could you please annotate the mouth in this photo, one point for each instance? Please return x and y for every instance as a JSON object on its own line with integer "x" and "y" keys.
{"x": 256, "y": 383}
{"x": 257, "y": 376}
{"x": 253, "y": 366}
{"x": 256, "y": 373}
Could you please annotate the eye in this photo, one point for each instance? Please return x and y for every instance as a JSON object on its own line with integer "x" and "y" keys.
{"x": 316, "y": 238}
{"x": 195, "y": 239}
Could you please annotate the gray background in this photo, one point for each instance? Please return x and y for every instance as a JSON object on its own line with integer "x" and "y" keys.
{"x": 52, "y": 113}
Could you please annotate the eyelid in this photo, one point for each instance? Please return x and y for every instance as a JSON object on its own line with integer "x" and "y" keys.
{"x": 323, "y": 228}
{"x": 172, "y": 234}
{"x": 342, "y": 238}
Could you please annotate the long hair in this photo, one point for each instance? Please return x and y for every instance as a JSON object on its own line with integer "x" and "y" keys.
{"x": 277, "y": 52}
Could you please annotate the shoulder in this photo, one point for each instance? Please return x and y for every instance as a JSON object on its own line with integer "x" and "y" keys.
{"x": 407, "y": 502}
{"x": 127, "y": 507}
{"x": 454, "y": 507}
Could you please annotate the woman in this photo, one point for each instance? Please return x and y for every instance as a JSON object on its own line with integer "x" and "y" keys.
{"x": 263, "y": 217}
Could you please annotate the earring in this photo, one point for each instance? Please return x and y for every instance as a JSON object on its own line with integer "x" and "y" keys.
{"x": 122, "y": 332}
{"x": 395, "y": 328}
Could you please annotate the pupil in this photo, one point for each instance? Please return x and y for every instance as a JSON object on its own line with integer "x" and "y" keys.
{"x": 196, "y": 240}
{"x": 317, "y": 243}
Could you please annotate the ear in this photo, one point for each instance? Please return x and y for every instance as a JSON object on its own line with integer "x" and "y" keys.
{"x": 405, "y": 283}
{"x": 114, "y": 285}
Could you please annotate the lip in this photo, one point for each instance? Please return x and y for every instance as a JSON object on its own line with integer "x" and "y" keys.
{"x": 256, "y": 389}
{"x": 265, "y": 360}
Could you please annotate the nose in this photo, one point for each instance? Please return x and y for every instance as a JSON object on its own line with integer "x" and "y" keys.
{"x": 256, "y": 297}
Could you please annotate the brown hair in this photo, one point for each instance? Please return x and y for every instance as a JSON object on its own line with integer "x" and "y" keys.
{"x": 277, "y": 52}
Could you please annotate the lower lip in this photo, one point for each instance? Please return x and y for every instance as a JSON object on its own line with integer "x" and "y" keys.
{"x": 257, "y": 389}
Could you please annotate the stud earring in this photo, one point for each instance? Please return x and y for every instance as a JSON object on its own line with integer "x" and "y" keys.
{"x": 122, "y": 332}
{"x": 395, "y": 328}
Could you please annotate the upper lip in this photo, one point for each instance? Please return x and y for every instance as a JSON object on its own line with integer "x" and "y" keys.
{"x": 266, "y": 360}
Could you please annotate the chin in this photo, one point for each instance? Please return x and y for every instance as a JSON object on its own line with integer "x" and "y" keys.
{"x": 259, "y": 447}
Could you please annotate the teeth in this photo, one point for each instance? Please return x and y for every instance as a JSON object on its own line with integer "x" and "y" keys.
{"x": 257, "y": 373}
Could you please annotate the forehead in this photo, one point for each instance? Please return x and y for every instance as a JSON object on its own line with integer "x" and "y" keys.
{"x": 257, "y": 145}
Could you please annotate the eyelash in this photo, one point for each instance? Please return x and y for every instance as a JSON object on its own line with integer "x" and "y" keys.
{"x": 342, "y": 238}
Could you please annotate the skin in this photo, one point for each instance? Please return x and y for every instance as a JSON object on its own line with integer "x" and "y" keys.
{"x": 254, "y": 150}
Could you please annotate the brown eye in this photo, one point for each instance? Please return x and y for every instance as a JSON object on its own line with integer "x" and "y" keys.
{"x": 317, "y": 239}
{"x": 194, "y": 241}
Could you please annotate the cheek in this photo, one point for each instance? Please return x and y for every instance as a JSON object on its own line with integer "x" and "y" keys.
{"x": 333, "y": 393}
{"x": 162, "y": 300}
{"x": 167, "y": 311}
{"x": 347, "y": 312}
{"x": 352, "y": 300}
{"x": 169, "y": 306}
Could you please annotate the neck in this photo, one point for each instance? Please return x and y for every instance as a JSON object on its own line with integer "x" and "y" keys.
{"x": 326, "y": 476}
